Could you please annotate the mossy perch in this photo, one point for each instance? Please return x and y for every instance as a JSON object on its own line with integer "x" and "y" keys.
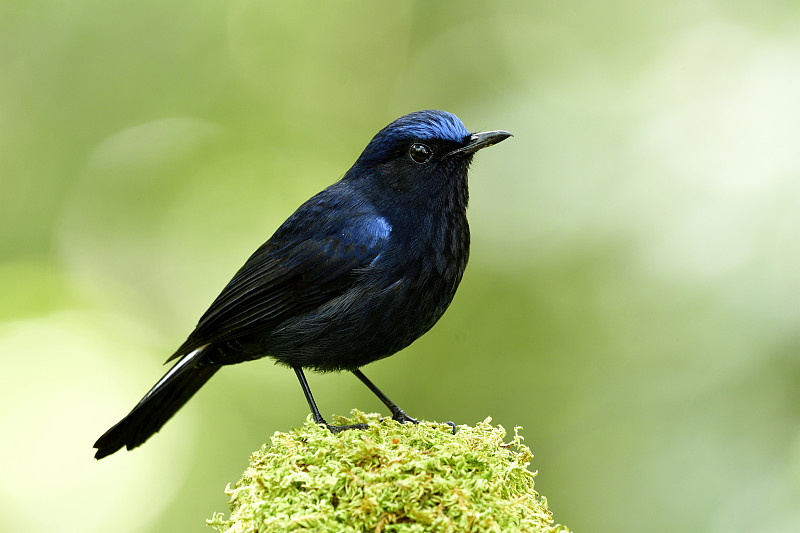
{"x": 388, "y": 478}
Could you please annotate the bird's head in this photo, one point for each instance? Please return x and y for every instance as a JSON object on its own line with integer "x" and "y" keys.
{"x": 423, "y": 152}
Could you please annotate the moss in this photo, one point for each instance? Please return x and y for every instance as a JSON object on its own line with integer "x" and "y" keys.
{"x": 388, "y": 478}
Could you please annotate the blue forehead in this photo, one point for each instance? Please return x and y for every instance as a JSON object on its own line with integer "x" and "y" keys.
{"x": 430, "y": 124}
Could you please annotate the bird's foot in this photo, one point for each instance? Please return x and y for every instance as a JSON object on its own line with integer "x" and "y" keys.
{"x": 402, "y": 417}
{"x": 339, "y": 429}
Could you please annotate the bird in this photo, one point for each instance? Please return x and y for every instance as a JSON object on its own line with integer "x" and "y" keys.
{"x": 357, "y": 273}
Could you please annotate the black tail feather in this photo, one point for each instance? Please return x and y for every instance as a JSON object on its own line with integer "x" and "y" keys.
{"x": 157, "y": 406}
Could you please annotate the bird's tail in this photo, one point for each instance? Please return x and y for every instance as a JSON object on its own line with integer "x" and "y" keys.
{"x": 158, "y": 405}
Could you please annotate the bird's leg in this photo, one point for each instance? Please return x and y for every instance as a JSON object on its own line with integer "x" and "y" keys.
{"x": 309, "y": 397}
{"x": 315, "y": 411}
{"x": 397, "y": 413}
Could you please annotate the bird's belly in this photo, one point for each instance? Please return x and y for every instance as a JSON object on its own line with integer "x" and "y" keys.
{"x": 375, "y": 319}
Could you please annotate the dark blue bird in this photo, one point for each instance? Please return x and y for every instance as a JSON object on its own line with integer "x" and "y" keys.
{"x": 357, "y": 273}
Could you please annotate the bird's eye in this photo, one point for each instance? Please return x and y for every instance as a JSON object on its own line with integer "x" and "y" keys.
{"x": 420, "y": 153}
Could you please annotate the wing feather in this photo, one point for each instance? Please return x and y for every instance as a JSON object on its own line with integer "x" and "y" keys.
{"x": 282, "y": 279}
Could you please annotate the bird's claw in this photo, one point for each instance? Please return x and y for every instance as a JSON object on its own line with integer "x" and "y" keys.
{"x": 402, "y": 417}
{"x": 339, "y": 429}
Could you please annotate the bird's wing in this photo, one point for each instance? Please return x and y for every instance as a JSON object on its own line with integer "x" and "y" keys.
{"x": 287, "y": 277}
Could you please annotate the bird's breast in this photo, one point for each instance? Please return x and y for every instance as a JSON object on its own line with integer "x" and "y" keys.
{"x": 391, "y": 302}
{"x": 425, "y": 263}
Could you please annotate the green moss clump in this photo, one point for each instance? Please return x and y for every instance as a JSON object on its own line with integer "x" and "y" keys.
{"x": 388, "y": 478}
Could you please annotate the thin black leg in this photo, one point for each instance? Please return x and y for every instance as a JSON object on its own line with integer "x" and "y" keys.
{"x": 397, "y": 413}
{"x": 315, "y": 411}
{"x": 309, "y": 397}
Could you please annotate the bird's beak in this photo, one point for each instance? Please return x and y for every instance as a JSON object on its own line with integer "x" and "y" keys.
{"x": 482, "y": 140}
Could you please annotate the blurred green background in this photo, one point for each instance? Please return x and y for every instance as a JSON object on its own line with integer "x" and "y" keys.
{"x": 632, "y": 296}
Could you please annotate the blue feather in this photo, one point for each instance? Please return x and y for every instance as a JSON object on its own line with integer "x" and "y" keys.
{"x": 430, "y": 124}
